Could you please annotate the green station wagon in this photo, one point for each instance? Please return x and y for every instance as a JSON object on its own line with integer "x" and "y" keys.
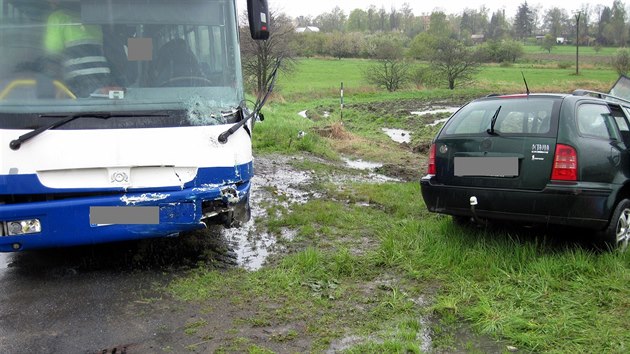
{"x": 560, "y": 159}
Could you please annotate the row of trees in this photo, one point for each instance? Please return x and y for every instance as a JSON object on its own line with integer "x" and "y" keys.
{"x": 606, "y": 25}
{"x": 452, "y": 60}
{"x": 370, "y": 45}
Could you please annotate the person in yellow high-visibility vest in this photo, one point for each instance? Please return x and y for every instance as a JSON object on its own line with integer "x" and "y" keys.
{"x": 79, "y": 48}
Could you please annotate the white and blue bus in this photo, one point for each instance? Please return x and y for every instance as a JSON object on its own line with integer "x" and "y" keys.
{"x": 121, "y": 119}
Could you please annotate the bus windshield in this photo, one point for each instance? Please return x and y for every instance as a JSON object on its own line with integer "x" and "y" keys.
{"x": 66, "y": 57}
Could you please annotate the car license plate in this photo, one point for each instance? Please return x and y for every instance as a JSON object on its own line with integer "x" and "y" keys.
{"x": 486, "y": 166}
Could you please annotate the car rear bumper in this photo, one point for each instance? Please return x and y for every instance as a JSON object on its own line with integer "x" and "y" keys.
{"x": 584, "y": 205}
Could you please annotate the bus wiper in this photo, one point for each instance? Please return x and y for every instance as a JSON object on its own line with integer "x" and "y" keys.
{"x": 17, "y": 143}
{"x": 260, "y": 102}
{"x": 493, "y": 122}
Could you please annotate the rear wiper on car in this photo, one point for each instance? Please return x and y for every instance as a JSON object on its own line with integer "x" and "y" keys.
{"x": 493, "y": 122}
{"x": 17, "y": 143}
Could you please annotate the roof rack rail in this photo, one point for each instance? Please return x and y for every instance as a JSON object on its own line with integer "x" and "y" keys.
{"x": 598, "y": 94}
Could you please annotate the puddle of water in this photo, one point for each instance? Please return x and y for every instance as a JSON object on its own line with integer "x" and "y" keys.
{"x": 424, "y": 332}
{"x": 279, "y": 184}
{"x": 5, "y": 260}
{"x": 303, "y": 114}
{"x": 252, "y": 246}
{"x": 437, "y": 121}
{"x": 398, "y": 135}
{"x": 348, "y": 342}
{"x": 435, "y": 111}
{"x": 360, "y": 164}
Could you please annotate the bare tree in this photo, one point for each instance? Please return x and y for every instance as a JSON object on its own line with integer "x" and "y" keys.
{"x": 259, "y": 57}
{"x": 453, "y": 62}
{"x": 390, "y": 71}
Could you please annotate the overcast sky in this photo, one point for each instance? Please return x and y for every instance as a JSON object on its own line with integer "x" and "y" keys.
{"x": 313, "y": 8}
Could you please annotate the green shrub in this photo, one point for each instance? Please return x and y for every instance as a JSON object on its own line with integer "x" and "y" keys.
{"x": 621, "y": 61}
{"x": 564, "y": 65}
{"x": 425, "y": 77}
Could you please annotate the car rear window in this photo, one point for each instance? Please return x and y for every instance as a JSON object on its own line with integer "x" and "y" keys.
{"x": 526, "y": 116}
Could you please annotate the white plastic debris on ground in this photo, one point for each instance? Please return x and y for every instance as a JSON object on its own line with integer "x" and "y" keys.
{"x": 303, "y": 114}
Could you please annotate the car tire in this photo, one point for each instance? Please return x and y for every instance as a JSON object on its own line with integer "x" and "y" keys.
{"x": 617, "y": 234}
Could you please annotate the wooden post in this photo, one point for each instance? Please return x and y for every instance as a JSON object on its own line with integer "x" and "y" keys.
{"x": 342, "y": 101}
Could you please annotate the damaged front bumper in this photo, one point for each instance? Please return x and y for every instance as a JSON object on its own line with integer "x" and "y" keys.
{"x": 115, "y": 217}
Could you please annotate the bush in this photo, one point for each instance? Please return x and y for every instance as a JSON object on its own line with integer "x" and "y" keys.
{"x": 564, "y": 65}
{"x": 425, "y": 77}
{"x": 500, "y": 51}
{"x": 621, "y": 61}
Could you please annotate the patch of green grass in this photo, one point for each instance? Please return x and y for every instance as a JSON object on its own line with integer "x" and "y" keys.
{"x": 317, "y": 81}
{"x": 519, "y": 289}
{"x": 541, "y": 80}
{"x": 314, "y": 87}
{"x": 193, "y": 327}
{"x": 284, "y": 337}
{"x": 570, "y": 49}
{"x": 255, "y": 349}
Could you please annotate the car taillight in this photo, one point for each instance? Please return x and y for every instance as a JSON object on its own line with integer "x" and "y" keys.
{"x": 431, "y": 170}
{"x": 564, "y": 164}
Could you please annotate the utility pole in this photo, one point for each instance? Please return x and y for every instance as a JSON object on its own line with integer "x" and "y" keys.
{"x": 577, "y": 43}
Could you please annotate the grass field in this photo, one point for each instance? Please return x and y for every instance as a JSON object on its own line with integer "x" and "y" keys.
{"x": 321, "y": 78}
{"x": 570, "y": 49}
{"x": 377, "y": 271}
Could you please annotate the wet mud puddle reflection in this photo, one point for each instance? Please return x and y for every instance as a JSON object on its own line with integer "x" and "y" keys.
{"x": 275, "y": 183}
{"x": 5, "y": 260}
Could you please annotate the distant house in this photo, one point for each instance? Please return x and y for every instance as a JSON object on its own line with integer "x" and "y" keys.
{"x": 477, "y": 38}
{"x": 306, "y": 29}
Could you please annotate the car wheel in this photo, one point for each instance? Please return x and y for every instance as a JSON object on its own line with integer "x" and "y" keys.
{"x": 617, "y": 234}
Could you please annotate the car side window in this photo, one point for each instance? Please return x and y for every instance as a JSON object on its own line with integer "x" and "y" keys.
{"x": 624, "y": 125}
{"x": 594, "y": 120}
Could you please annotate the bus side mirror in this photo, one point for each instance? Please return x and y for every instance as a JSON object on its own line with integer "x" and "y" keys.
{"x": 258, "y": 13}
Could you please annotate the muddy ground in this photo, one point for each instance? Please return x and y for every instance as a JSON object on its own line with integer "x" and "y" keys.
{"x": 112, "y": 299}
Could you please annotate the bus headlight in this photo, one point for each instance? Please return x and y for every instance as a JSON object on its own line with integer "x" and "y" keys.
{"x": 22, "y": 227}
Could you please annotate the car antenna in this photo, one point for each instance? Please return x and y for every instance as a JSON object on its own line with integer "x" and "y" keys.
{"x": 525, "y": 81}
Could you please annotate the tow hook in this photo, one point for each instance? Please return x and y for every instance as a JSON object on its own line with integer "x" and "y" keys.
{"x": 473, "y": 203}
